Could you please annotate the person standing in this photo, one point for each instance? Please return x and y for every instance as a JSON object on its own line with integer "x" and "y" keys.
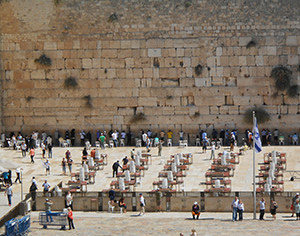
{"x": 49, "y": 150}
{"x": 32, "y": 190}
{"x": 115, "y": 167}
{"x": 47, "y": 166}
{"x": 142, "y": 204}
{"x": 129, "y": 136}
{"x": 46, "y": 187}
{"x": 234, "y": 208}
{"x": 213, "y": 148}
{"x": 32, "y": 153}
{"x": 158, "y": 196}
{"x": 115, "y": 138}
{"x": 293, "y": 202}
{"x": 262, "y": 207}
{"x": 195, "y": 210}
{"x": 69, "y": 200}
{"x": 23, "y": 148}
{"x": 64, "y": 164}
{"x": 102, "y": 141}
{"x": 160, "y": 146}
{"x": 8, "y": 191}
{"x": 162, "y": 135}
{"x": 82, "y": 137}
{"x": 70, "y": 218}
{"x": 273, "y": 207}
{"x": 112, "y": 196}
{"x": 18, "y": 172}
{"x": 241, "y": 209}
{"x": 297, "y": 209}
{"x": 48, "y": 205}
{"x": 70, "y": 163}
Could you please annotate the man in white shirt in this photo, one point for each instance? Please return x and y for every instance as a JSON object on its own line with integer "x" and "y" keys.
{"x": 114, "y": 137}
{"x": 142, "y": 204}
{"x": 234, "y": 208}
{"x": 262, "y": 207}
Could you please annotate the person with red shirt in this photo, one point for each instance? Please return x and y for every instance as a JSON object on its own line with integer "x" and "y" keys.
{"x": 70, "y": 218}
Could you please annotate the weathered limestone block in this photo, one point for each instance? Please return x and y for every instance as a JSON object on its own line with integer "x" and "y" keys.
{"x": 48, "y": 46}
{"x": 187, "y": 82}
{"x": 73, "y": 64}
{"x": 271, "y": 50}
{"x": 147, "y": 101}
{"x": 103, "y": 120}
{"x": 125, "y": 111}
{"x": 39, "y": 74}
{"x": 154, "y": 52}
{"x": 118, "y": 120}
{"x": 243, "y": 41}
{"x": 154, "y": 111}
{"x": 291, "y": 40}
{"x": 109, "y": 53}
{"x": 181, "y": 111}
{"x": 87, "y": 63}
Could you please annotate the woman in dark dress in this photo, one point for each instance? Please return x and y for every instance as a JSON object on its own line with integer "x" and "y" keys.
{"x": 273, "y": 208}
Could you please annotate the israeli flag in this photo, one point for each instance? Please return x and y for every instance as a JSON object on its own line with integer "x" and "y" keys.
{"x": 257, "y": 141}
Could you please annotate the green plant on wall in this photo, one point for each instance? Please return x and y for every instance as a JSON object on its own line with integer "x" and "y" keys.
{"x": 44, "y": 60}
{"x": 251, "y": 44}
{"x": 88, "y": 100}
{"x": 282, "y": 76}
{"x": 113, "y": 17}
{"x": 293, "y": 91}
{"x": 29, "y": 98}
{"x": 187, "y": 3}
{"x": 138, "y": 117}
{"x": 70, "y": 82}
{"x": 261, "y": 114}
{"x": 198, "y": 70}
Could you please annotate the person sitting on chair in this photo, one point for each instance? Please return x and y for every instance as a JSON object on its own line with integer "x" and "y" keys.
{"x": 122, "y": 204}
{"x": 195, "y": 210}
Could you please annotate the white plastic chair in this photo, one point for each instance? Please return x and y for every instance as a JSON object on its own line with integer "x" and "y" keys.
{"x": 110, "y": 207}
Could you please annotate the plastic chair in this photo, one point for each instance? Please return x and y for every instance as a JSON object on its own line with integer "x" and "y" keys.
{"x": 110, "y": 207}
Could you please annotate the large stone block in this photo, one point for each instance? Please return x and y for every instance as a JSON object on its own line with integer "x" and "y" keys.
{"x": 154, "y": 52}
{"x": 50, "y": 46}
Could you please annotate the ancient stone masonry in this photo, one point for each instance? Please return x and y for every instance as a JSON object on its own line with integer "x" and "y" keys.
{"x": 186, "y": 64}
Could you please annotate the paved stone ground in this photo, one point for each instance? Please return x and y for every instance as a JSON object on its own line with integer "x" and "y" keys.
{"x": 242, "y": 181}
{"x": 91, "y": 223}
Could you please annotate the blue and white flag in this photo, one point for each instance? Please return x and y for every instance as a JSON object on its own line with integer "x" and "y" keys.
{"x": 257, "y": 141}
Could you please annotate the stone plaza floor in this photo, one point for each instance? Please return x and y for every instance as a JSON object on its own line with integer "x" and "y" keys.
{"x": 92, "y": 223}
{"x": 154, "y": 223}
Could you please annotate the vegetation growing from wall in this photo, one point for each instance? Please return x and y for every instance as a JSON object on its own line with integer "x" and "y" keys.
{"x": 70, "y": 82}
{"x": 88, "y": 100}
{"x": 261, "y": 114}
{"x": 138, "y": 117}
{"x": 44, "y": 60}
{"x": 198, "y": 70}
{"x": 113, "y": 18}
{"x": 282, "y": 76}
{"x": 251, "y": 44}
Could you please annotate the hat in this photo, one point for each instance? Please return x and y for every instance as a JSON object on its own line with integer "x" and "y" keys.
{"x": 47, "y": 199}
{"x": 141, "y": 194}
{"x": 297, "y": 193}
{"x": 195, "y": 203}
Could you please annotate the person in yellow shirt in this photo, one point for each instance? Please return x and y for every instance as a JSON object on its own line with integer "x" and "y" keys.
{"x": 170, "y": 134}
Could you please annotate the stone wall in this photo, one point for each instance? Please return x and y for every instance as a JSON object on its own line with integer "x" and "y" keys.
{"x": 135, "y": 62}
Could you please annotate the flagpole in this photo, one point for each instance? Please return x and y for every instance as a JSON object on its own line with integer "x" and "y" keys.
{"x": 254, "y": 185}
